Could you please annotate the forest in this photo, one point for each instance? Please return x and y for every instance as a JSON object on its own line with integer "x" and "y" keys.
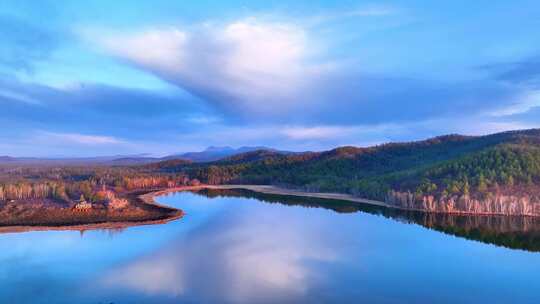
{"x": 67, "y": 184}
{"x": 506, "y": 162}
{"x": 478, "y": 166}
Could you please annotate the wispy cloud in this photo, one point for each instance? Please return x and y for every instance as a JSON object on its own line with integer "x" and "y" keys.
{"x": 76, "y": 138}
{"x": 311, "y": 133}
{"x": 372, "y": 11}
{"x": 379, "y": 11}
{"x": 14, "y": 96}
{"x": 523, "y": 72}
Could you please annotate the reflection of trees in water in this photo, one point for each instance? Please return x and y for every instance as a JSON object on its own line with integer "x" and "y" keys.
{"x": 111, "y": 232}
{"x": 514, "y": 232}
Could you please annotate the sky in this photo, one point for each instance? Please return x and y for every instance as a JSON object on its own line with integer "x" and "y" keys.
{"x": 99, "y": 77}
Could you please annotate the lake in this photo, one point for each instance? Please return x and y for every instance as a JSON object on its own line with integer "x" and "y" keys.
{"x": 240, "y": 247}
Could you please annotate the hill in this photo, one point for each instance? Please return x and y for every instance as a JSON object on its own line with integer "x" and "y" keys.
{"x": 442, "y": 167}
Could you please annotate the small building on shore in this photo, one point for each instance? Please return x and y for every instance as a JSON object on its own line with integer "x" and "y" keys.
{"x": 82, "y": 204}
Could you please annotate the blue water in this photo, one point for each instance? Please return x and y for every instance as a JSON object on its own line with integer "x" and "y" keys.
{"x": 243, "y": 250}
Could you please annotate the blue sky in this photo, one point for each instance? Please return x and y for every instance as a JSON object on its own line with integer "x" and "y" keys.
{"x": 81, "y": 78}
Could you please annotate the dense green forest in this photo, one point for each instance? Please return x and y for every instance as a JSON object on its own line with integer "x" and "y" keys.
{"x": 452, "y": 164}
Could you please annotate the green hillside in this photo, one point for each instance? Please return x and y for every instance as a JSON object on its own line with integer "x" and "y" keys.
{"x": 454, "y": 164}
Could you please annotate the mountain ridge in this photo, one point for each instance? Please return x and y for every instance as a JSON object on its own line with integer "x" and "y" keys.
{"x": 212, "y": 153}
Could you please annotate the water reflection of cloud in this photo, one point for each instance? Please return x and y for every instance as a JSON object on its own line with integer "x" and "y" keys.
{"x": 244, "y": 258}
{"x": 151, "y": 276}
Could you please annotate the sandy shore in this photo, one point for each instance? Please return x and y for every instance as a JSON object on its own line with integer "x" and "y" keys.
{"x": 149, "y": 198}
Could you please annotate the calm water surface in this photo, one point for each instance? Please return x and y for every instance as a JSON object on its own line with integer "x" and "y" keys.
{"x": 237, "y": 249}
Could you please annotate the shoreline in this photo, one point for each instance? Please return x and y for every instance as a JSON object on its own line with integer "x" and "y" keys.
{"x": 147, "y": 199}
{"x": 273, "y": 190}
{"x": 84, "y": 227}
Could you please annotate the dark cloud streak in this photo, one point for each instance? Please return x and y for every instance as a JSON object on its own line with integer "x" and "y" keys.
{"x": 522, "y": 72}
{"x": 114, "y": 111}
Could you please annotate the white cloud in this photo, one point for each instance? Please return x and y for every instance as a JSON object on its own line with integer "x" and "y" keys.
{"x": 523, "y": 104}
{"x": 267, "y": 74}
{"x": 247, "y": 65}
{"x": 76, "y": 138}
{"x": 162, "y": 49}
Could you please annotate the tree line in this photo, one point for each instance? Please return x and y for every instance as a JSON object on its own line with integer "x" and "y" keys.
{"x": 68, "y": 184}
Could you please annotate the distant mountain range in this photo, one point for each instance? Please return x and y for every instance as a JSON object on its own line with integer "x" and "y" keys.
{"x": 216, "y": 153}
{"x": 208, "y": 155}
{"x": 99, "y": 160}
{"x": 6, "y": 159}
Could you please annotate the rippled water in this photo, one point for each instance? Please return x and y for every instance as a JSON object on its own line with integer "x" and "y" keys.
{"x": 245, "y": 248}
